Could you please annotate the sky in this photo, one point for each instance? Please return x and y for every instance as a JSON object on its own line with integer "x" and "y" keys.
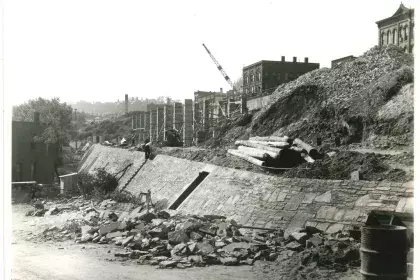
{"x": 100, "y": 50}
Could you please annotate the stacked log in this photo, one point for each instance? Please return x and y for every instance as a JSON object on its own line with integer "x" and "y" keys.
{"x": 275, "y": 151}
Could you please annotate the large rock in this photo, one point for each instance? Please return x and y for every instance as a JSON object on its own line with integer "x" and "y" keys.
{"x": 235, "y": 246}
{"x": 300, "y": 237}
{"x": 291, "y": 230}
{"x": 105, "y": 229}
{"x": 160, "y": 231}
{"x": 294, "y": 246}
{"x": 205, "y": 248}
{"x": 179, "y": 250}
{"x": 189, "y": 225}
{"x": 87, "y": 229}
{"x": 114, "y": 234}
{"x": 177, "y": 236}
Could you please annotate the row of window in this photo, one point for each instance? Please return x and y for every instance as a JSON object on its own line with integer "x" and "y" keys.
{"x": 392, "y": 37}
{"x": 286, "y": 77}
{"x": 251, "y": 78}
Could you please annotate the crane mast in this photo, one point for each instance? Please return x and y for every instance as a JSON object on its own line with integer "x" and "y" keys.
{"x": 220, "y": 69}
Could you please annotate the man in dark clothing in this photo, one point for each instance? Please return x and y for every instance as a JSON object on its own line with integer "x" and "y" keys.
{"x": 146, "y": 148}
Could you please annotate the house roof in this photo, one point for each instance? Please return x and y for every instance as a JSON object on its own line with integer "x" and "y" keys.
{"x": 401, "y": 10}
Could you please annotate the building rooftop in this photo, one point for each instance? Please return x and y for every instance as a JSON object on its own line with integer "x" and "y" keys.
{"x": 401, "y": 10}
{"x": 276, "y": 61}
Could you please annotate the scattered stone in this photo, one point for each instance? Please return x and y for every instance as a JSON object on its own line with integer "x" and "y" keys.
{"x": 205, "y": 248}
{"x": 113, "y": 217}
{"x": 195, "y": 259}
{"x": 114, "y": 234}
{"x": 163, "y": 215}
{"x": 127, "y": 240}
{"x": 196, "y": 236}
{"x": 291, "y": 230}
{"x": 294, "y": 246}
{"x": 300, "y": 237}
{"x": 236, "y": 246}
{"x": 166, "y": 264}
{"x": 229, "y": 261}
{"x": 177, "y": 236}
{"x": 108, "y": 228}
{"x": 52, "y": 211}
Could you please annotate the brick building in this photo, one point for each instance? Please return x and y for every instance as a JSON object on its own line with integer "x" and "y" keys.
{"x": 398, "y": 29}
{"x": 32, "y": 160}
{"x": 263, "y": 77}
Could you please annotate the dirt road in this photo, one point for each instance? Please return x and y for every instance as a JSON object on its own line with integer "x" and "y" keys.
{"x": 67, "y": 260}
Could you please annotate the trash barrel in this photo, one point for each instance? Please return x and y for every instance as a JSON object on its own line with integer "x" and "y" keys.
{"x": 383, "y": 252}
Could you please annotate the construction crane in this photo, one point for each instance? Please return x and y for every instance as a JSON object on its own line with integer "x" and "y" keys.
{"x": 221, "y": 69}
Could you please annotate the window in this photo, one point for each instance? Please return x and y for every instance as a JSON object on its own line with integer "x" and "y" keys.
{"x": 388, "y": 36}
{"x": 258, "y": 76}
{"x": 286, "y": 77}
{"x": 394, "y": 36}
{"x": 406, "y": 32}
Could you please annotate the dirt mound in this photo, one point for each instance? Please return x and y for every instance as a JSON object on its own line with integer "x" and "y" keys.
{"x": 371, "y": 167}
{"x": 341, "y": 101}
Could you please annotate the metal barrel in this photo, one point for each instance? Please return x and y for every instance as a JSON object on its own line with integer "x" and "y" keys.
{"x": 383, "y": 252}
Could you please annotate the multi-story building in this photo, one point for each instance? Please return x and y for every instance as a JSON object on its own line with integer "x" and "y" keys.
{"x": 398, "y": 29}
{"x": 201, "y": 96}
{"x": 32, "y": 160}
{"x": 263, "y": 77}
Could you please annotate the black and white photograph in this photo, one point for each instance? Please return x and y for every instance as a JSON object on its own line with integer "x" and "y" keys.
{"x": 217, "y": 140}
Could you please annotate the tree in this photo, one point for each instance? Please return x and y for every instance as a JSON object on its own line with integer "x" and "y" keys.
{"x": 238, "y": 84}
{"x": 55, "y": 115}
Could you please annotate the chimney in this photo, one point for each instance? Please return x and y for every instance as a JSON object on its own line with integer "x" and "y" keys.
{"x": 283, "y": 59}
{"x": 294, "y": 59}
{"x": 221, "y": 90}
{"x": 36, "y": 117}
{"x": 126, "y": 103}
{"x": 306, "y": 60}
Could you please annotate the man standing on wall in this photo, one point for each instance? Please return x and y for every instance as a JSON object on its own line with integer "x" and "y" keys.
{"x": 146, "y": 149}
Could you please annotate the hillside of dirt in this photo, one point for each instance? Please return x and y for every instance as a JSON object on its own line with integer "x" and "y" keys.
{"x": 338, "y": 166}
{"x": 367, "y": 101}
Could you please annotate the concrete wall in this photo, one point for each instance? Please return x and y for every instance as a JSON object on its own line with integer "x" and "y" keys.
{"x": 250, "y": 198}
{"x": 258, "y": 103}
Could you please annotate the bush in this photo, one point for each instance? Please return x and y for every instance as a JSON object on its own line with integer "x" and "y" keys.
{"x": 98, "y": 184}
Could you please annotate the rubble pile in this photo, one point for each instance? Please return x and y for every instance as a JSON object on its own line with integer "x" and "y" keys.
{"x": 157, "y": 238}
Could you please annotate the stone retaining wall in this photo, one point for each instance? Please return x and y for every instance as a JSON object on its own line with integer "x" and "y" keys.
{"x": 250, "y": 198}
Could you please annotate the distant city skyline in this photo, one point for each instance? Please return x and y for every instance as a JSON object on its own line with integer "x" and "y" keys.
{"x": 102, "y": 50}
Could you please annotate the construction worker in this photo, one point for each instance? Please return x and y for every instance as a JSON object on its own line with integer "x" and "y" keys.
{"x": 146, "y": 149}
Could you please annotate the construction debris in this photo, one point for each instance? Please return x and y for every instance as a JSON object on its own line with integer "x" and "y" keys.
{"x": 262, "y": 151}
{"x": 183, "y": 241}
